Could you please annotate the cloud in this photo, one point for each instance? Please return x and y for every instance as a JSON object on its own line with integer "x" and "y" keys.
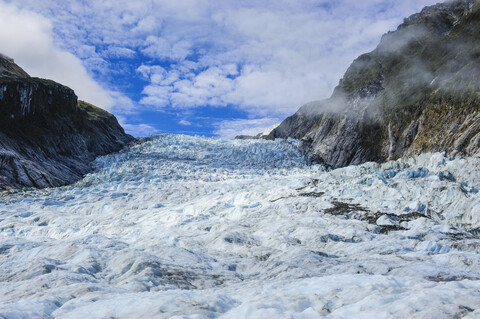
{"x": 230, "y": 128}
{"x": 265, "y": 58}
{"x": 137, "y": 130}
{"x": 119, "y": 52}
{"x": 184, "y": 123}
{"x": 28, "y": 38}
{"x": 161, "y": 48}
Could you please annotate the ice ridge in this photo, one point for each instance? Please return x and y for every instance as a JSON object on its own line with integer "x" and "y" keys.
{"x": 193, "y": 227}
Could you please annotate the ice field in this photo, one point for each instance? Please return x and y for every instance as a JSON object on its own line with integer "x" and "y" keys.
{"x": 191, "y": 227}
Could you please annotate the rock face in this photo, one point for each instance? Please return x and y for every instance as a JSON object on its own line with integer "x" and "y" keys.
{"x": 9, "y": 69}
{"x": 47, "y": 137}
{"x": 418, "y": 91}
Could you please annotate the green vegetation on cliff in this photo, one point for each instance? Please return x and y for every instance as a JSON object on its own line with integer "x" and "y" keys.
{"x": 418, "y": 91}
{"x": 8, "y": 68}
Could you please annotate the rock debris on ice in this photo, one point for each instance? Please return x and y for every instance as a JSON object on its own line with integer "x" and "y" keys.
{"x": 192, "y": 227}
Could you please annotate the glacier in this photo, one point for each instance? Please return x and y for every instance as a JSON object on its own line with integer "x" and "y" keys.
{"x": 192, "y": 227}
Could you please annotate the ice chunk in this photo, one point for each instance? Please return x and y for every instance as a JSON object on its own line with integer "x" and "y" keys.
{"x": 181, "y": 226}
{"x": 386, "y": 220}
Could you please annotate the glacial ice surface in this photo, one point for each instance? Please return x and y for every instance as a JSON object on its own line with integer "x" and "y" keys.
{"x": 191, "y": 227}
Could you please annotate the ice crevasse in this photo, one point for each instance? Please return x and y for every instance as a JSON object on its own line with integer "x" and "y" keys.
{"x": 192, "y": 227}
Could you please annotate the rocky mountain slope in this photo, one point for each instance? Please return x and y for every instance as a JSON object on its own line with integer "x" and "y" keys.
{"x": 418, "y": 91}
{"x": 47, "y": 137}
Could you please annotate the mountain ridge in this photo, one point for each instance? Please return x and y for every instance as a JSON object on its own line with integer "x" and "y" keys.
{"x": 400, "y": 99}
{"x": 47, "y": 137}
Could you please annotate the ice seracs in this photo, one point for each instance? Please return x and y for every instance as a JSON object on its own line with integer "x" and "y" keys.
{"x": 203, "y": 228}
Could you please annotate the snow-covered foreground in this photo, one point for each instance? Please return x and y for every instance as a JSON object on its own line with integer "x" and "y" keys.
{"x": 192, "y": 227}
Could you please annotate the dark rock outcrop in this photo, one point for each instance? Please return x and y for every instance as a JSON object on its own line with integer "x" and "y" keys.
{"x": 9, "y": 69}
{"x": 47, "y": 137}
{"x": 418, "y": 91}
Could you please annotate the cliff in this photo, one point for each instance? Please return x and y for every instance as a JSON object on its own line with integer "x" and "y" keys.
{"x": 47, "y": 137}
{"x": 418, "y": 91}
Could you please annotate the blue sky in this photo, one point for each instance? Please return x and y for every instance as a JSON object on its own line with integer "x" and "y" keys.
{"x": 207, "y": 67}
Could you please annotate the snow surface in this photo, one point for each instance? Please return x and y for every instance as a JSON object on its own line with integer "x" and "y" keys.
{"x": 190, "y": 227}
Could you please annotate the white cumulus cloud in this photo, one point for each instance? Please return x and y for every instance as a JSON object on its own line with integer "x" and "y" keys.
{"x": 265, "y": 58}
{"x": 28, "y": 38}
